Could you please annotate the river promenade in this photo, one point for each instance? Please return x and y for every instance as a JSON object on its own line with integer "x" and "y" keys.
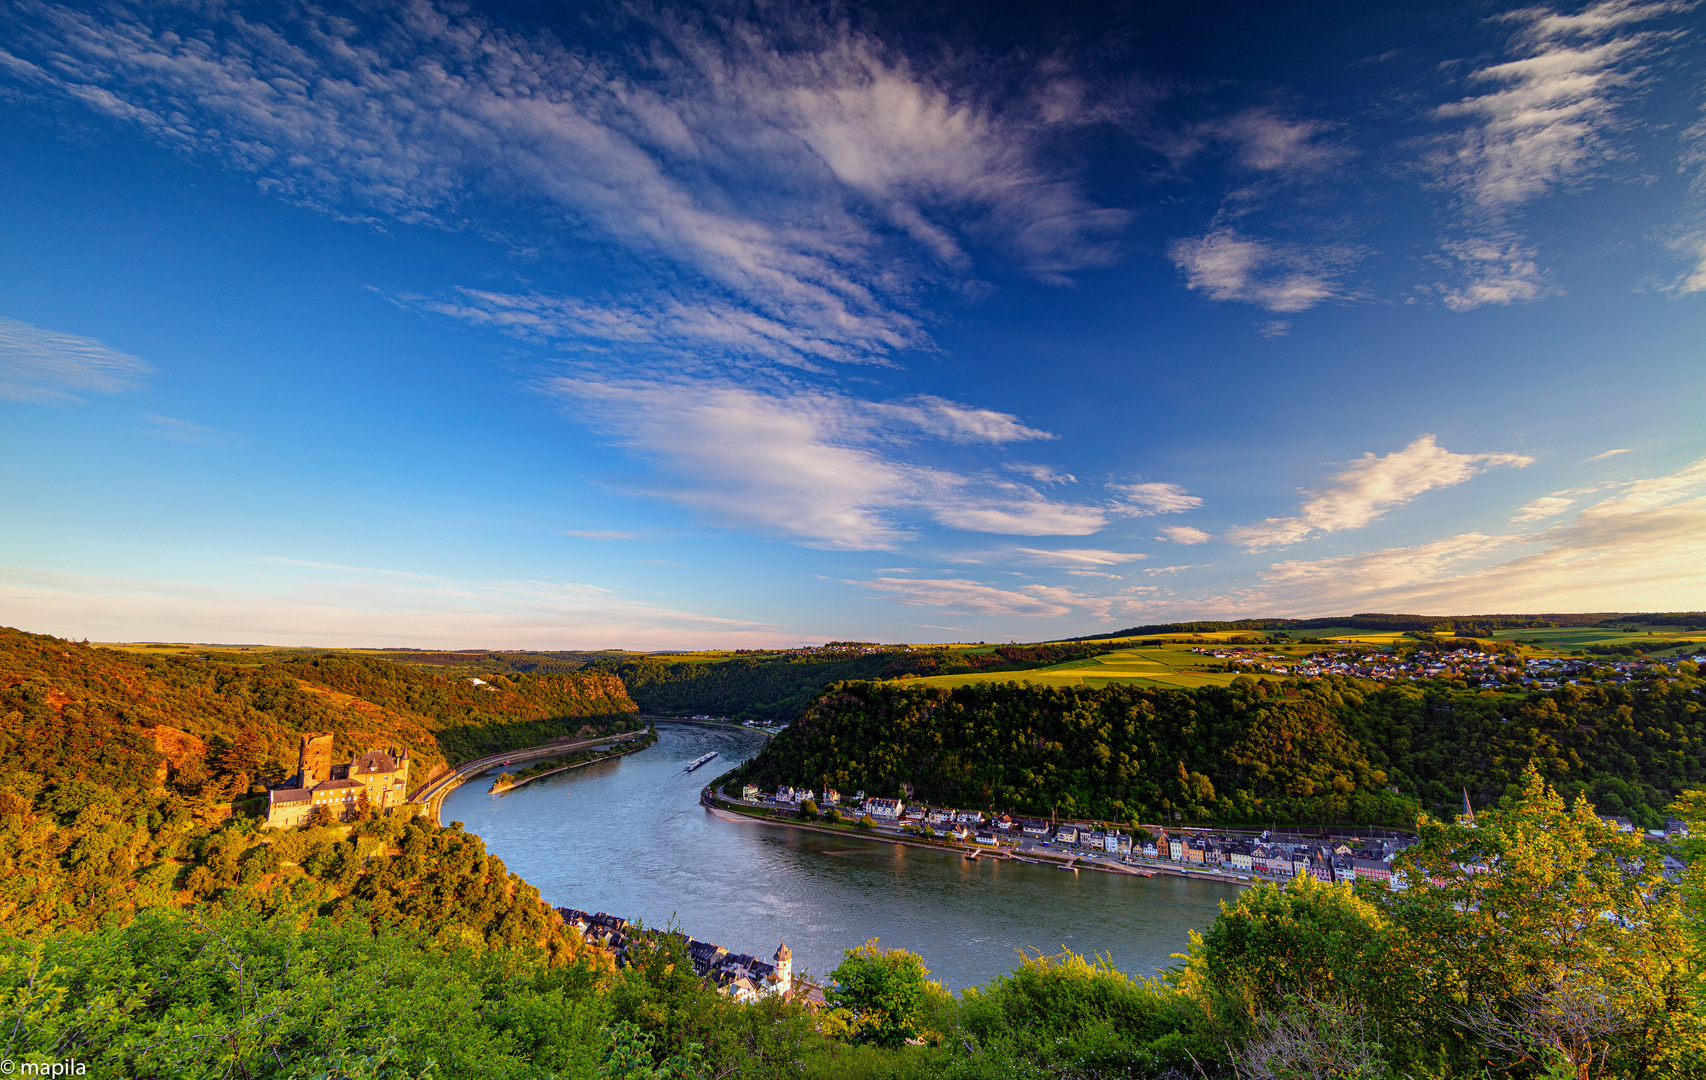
{"x": 1022, "y": 851}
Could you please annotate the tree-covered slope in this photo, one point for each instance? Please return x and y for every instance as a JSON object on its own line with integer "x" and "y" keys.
{"x": 776, "y": 686}
{"x": 119, "y": 773}
{"x": 1304, "y": 751}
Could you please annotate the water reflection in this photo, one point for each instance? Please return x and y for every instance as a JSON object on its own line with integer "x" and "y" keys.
{"x": 629, "y": 837}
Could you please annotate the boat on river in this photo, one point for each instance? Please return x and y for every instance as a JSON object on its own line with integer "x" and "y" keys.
{"x": 698, "y": 761}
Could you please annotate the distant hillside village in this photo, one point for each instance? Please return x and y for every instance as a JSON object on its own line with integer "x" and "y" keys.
{"x": 1504, "y": 667}
{"x": 740, "y": 976}
{"x": 1269, "y": 855}
{"x": 322, "y": 791}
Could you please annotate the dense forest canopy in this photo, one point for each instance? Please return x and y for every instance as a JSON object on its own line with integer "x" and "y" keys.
{"x": 776, "y": 686}
{"x": 1330, "y": 750}
{"x": 119, "y": 773}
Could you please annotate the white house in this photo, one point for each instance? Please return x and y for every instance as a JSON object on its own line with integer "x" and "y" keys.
{"x": 885, "y": 809}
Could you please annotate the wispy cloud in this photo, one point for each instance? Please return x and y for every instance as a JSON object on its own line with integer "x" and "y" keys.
{"x": 1493, "y": 270}
{"x": 1226, "y": 265}
{"x": 170, "y": 427}
{"x": 1143, "y": 499}
{"x": 1611, "y": 453}
{"x": 960, "y": 594}
{"x": 1542, "y": 508}
{"x": 1263, "y": 140}
{"x": 1271, "y": 159}
{"x": 1184, "y": 534}
{"x": 40, "y": 365}
{"x": 817, "y": 466}
{"x": 1041, "y": 474}
{"x": 1543, "y": 121}
{"x": 802, "y": 179}
{"x": 1368, "y": 489}
{"x": 1080, "y": 557}
{"x": 1643, "y": 548}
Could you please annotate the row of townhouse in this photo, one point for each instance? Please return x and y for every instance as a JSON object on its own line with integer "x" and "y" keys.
{"x": 1330, "y": 861}
{"x": 1259, "y": 856}
{"x": 883, "y": 811}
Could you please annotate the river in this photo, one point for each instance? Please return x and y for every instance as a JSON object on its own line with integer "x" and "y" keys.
{"x": 629, "y": 837}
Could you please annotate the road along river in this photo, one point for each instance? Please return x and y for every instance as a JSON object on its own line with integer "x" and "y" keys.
{"x": 629, "y": 837}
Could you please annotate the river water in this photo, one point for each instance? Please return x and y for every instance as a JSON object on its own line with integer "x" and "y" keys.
{"x": 629, "y": 837}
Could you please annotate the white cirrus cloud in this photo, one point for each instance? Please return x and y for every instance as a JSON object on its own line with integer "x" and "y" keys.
{"x": 1611, "y": 453}
{"x": 961, "y": 594}
{"x": 1143, "y": 499}
{"x": 957, "y": 423}
{"x": 1028, "y": 514}
{"x": 1368, "y": 488}
{"x": 1041, "y": 474}
{"x": 799, "y": 178}
{"x": 1542, "y": 508}
{"x": 1543, "y": 121}
{"x": 1265, "y": 141}
{"x": 815, "y": 466}
{"x": 38, "y": 365}
{"x": 1184, "y": 534}
{"x": 1226, "y": 265}
{"x": 170, "y": 427}
{"x": 1080, "y": 557}
{"x": 1643, "y": 547}
{"x": 1494, "y": 270}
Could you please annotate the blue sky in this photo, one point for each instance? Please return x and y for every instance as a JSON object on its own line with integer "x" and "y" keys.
{"x": 664, "y": 327}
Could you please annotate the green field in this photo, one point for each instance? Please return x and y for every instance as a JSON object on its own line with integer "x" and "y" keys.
{"x": 1144, "y": 665}
{"x": 1564, "y": 639}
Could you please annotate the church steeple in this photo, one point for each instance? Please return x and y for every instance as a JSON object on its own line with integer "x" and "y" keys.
{"x": 1466, "y": 816}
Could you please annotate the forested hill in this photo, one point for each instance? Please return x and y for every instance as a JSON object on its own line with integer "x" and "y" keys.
{"x": 222, "y": 724}
{"x": 776, "y": 686}
{"x": 1257, "y": 752}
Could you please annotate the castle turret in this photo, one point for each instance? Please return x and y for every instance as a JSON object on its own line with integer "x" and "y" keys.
{"x": 784, "y": 969}
{"x": 314, "y": 760}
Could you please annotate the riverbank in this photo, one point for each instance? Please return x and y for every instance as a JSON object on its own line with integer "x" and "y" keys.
{"x": 1075, "y": 862}
{"x": 1062, "y": 860}
{"x": 512, "y": 785}
{"x": 430, "y": 796}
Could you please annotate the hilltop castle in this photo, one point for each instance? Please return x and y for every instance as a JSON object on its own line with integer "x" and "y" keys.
{"x": 380, "y": 775}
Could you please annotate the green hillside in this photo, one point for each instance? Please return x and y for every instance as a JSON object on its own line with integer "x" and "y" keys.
{"x": 777, "y": 685}
{"x": 1251, "y": 752}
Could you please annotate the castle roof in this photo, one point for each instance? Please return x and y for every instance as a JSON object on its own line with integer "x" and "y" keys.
{"x": 288, "y": 795}
{"x": 782, "y": 953}
{"x": 374, "y": 761}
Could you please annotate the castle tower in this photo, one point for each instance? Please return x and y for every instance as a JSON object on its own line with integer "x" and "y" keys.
{"x": 784, "y": 969}
{"x": 314, "y": 760}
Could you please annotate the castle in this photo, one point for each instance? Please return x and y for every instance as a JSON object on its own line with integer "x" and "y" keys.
{"x": 382, "y": 776}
